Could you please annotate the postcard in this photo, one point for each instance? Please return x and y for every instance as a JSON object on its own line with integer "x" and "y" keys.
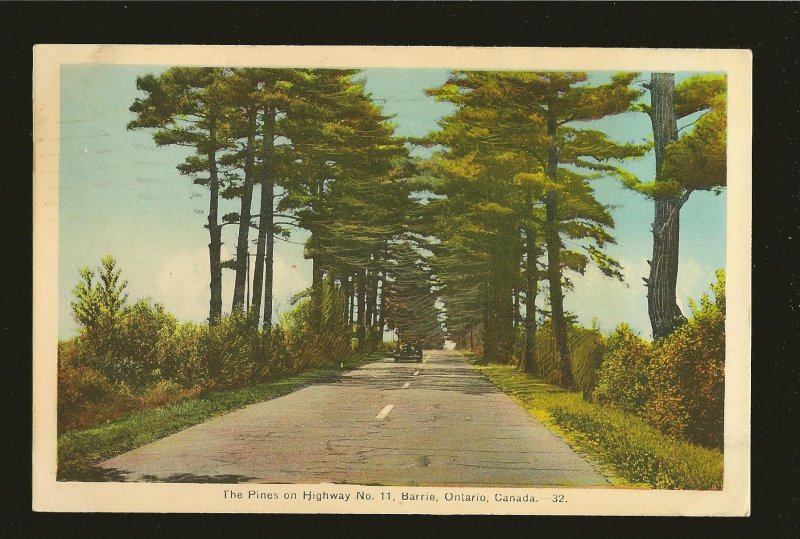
{"x": 426, "y": 280}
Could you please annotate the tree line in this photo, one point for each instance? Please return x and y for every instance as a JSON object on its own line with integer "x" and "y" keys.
{"x": 503, "y": 209}
{"x": 321, "y": 157}
{"x": 513, "y": 168}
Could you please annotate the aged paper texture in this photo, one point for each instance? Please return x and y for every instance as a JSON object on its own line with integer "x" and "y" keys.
{"x": 395, "y": 174}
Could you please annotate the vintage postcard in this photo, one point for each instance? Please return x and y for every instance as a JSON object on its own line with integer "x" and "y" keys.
{"x": 391, "y": 280}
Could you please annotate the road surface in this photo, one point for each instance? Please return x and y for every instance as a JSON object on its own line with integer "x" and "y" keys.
{"x": 435, "y": 423}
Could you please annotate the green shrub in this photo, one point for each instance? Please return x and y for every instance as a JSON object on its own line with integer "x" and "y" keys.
{"x": 140, "y": 332}
{"x": 99, "y": 298}
{"x": 687, "y": 374}
{"x": 587, "y": 349}
{"x": 641, "y": 453}
{"x": 179, "y": 356}
{"x": 138, "y": 357}
{"x": 635, "y": 450}
{"x": 280, "y": 357}
{"x": 228, "y": 351}
{"x": 310, "y": 345}
{"x": 623, "y": 374}
{"x": 85, "y": 396}
{"x": 586, "y": 346}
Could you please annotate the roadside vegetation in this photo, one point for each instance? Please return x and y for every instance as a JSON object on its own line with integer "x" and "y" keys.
{"x": 134, "y": 374}
{"x": 135, "y": 357}
{"x": 652, "y": 413}
{"x": 481, "y": 238}
{"x": 79, "y": 450}
{"x": 623, "y": 444}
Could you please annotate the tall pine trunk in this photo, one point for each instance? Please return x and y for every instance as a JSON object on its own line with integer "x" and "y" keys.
{"x": 662, "y": 306}
{"x": 553, "y": 242}
{"x": 345, "y": 297}
{"x": 531, "y": 291}
{"x": 269, "y": 274}
{"x": 351, "y": 291}
{"x": 361, "y": 300}
{"x": 317, "y": 273}
{"x": 265, "y": 241}
{"x": 505, "y": 319}
{"x": 372, "y": 306}
{"x": 242, "y": 254}
{"x": 316, "y": 293}
{"x": 382, "y": 308}
{"x": 489, "y": 333}
{"x": 214, "y": 230}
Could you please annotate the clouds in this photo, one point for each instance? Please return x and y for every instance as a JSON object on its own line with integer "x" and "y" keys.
{"x": 182, "y": 282}
{"x": 694, "y": 280}
{"x": 610, "y": 301}
{"x": 291, "y": 275}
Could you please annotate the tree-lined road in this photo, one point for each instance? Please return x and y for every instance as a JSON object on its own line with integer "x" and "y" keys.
{"x": 435, "y": 423}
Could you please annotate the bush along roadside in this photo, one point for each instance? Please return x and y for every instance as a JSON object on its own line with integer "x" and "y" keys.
{"x": 630, "y": 448}
{"x": 79, "y": 451}
{"x": 134, "y": 357}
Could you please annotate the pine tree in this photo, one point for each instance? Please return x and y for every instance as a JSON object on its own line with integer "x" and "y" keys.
{"x": 522, "y": 126}
{"x": 346, "y": 188}
{"x": 186, "y": 107}
{"x": 694, "y": 161}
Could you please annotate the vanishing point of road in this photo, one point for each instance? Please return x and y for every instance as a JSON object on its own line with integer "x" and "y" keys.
{"x": 437, "y": 423}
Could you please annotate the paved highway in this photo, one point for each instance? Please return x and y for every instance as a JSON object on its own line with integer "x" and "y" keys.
{"x": 435, "y": 423}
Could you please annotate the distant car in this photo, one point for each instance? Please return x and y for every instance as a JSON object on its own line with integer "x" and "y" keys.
{"x": 410, "y": 351}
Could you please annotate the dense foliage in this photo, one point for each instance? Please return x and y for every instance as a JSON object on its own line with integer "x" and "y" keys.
{"x": 627, "y": 446}
{"x": 678, "y": 383}
{"x": 686, "y": 377}
{"x": 480, "y": 241}
{"x": 623, "y": 375}
{"x": 514, "y": 168}
{"x": 143, "y": 358}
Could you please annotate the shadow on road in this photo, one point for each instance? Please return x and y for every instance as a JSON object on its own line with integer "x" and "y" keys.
{"x": 114, "y": 475}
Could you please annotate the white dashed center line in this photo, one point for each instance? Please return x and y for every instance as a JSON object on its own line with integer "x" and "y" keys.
{"x": 405, "y": 386}
{"x": 416, "y": 373}
{"x": 383, "y": 413}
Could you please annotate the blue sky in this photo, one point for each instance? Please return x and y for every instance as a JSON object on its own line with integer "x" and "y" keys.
{"x": 121, "y": 195}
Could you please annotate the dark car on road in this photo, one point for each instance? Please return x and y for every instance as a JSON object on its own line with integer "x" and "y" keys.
{"x": 410, "y": 351}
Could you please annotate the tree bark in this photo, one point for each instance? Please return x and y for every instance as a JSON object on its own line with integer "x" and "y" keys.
{"x": 372, "y": 305}
{"x": 382, "y": 308}
{"x": 242, "y": 254}
{"x": 269, "y": 275}
{"x": 214, "y": 231}
{"x": 361, "y": 299}
{"x": 553, "y": 242}
{"x": 531, "y": 291}
{"x": 505, "y": 307}
{"x": 662, "y": 306}
{"x": 265, "y": 241}
{"x": 345, "y": 297}
{"x": 351, "y": 291}
{"x": 489, "y": 334}
{"x": 316, "y": 293}
{"x": 316, "y": 282}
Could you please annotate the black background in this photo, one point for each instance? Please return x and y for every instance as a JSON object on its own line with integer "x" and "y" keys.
{"x": 770, "y": 30}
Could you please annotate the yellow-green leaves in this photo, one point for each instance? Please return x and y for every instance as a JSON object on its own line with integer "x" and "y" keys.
{"x": 536, "y": 182}
{"x": 697, "y": 160}
{"x": 698, "y": 93}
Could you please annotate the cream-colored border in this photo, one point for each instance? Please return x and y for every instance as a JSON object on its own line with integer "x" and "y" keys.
{"x": 49, "y": 495}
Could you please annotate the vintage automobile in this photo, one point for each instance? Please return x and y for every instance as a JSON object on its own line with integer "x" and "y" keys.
{"x": 408, "y": 351}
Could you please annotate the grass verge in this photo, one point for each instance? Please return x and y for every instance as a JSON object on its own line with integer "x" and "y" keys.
{"x": 78, "y": 451}
{"x": 634, "y": 451}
